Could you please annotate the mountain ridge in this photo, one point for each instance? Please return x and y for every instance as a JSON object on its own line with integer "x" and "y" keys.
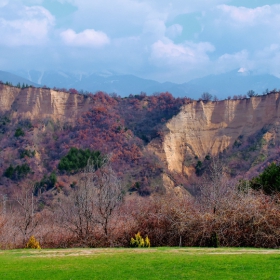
{"x": 223, "y": 85}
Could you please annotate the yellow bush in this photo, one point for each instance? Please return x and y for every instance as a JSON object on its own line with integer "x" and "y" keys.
{"x": 147, "y": 242}
{"x": 139, "y": 241}
{"x": 33, "y": 243}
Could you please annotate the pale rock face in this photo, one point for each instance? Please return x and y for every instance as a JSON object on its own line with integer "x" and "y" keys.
{"x": 200, "y": 128}
{"x": 40, "y": 103}
{"x": 208, "y": 128}
{"x": 7, "y": 97}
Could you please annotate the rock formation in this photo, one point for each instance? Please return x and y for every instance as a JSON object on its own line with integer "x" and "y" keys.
{"x": 201, "y": 128}
{"x": 208, "y": 128}
{"x": 40, "y": 103}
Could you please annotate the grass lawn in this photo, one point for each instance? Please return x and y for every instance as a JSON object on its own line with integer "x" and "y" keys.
{"x": 154, "y": 263}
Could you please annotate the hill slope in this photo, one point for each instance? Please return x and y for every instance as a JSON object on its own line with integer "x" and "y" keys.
{"x": 154, "y": 141}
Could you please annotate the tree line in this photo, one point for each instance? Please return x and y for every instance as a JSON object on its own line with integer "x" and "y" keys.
{"x": 99, "y": 213}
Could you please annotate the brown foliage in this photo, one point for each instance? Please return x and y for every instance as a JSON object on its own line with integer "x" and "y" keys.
{"x": 243, "y": 219}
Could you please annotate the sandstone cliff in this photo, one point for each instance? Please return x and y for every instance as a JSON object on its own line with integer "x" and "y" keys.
{"x": 40, "y": 103}
{"x": 200, "y": 128}
{"x": 203, "y": 128}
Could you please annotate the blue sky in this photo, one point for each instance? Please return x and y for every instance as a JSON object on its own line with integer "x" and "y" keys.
{"x": 162, "y": 40}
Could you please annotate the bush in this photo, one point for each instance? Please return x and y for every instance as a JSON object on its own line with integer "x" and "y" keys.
{"x": 18, "y": 172}
{"x": 214, "y": 240}
{"x": 33, "y": 243}
{"x": 19, "y": 132}
{"x": 268, "y": 180}
{"x": 4, "y": 121}
{"x": 47, "y": 183}
{"x": 139, "y": 241}
{"x": 26, "y": 153}
{"x": 198, "y": 168}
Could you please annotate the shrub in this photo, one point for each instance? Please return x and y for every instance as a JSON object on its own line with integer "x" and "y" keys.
{"x": 33, "y": 243}
{"x": 198, "y": 168}
{"x": 139, "y": 241}
{"x": 18, "y": 172}
{"x": 19, "y": 132}
{"x": 47, "y": 183}
{"x": 214, "y": 240}
{"x": 268, "y": 180}
{"x": 26, "y": 153}
{"x": 147, "y": 242}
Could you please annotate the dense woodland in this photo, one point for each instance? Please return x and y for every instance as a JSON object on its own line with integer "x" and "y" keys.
{"x": 94, "y": 183}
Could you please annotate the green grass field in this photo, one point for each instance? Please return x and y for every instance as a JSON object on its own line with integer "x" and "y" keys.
{"x": 154, "y": 263}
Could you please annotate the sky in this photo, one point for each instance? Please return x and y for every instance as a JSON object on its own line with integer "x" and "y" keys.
{"x": 162, "y": 40}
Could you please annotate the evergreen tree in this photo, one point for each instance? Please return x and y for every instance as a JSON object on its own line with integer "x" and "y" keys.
{"x": 77, "y": 159}
{"x": 268, "y": 180}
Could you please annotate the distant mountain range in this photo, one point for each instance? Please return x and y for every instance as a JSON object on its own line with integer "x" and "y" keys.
{"x": 232, "y": 83}
{"x": 15, "y": 79}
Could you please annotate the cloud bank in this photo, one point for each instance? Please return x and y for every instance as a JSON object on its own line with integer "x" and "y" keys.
{"x": 86, "y": 38}
{"x": 167, "y": 40}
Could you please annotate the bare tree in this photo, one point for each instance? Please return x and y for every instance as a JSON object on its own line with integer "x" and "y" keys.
{"x": 77, "y": 210}
{"x": 216, "y": 191}
{"x": 214, "y": 186}
{"x": 251, "y": 93}
{"x": 206, "y": 96}
{"x": 215, "y": 98}
{"x": 92, "y": 203}
{"x": 179, "y": 212}
{"x": 25, "y": 212}
{"x": 108, "y": 195}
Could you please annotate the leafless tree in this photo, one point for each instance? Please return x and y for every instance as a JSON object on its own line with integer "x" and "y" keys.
{"x": 92, "y": 203}
{"x": 179, "y": 212}
{"x": 251, "y": 93}
{"x": 216, "y": 190}
{"x": 77, "y": 210}
{"x": 25, "y": 212}
{"x": 206, "y": 96}
{"x": 215, "y": 98}
{"x": 108, "y": 195}
{"x": 215, "y": 186}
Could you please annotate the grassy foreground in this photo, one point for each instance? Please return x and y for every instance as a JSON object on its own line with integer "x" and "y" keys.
{"x": 154, "y": 263}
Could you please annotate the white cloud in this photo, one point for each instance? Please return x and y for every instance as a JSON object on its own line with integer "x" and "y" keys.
{"x": 267, "y": 59}
{"x": 241, "y": 16}
{"x": 227, "y": 62}
{"x": 174, "y": 30}
{"x": 180, "y": 62}
{"x": 242, "y": 70}
{"x": 31, "y": 27}
{"x": 3, "y": 3}
{"x": 155, "y": 27}
{"x": 155, "y": 39}
{"x": 174, "y": 8}
{"x": 173, "y": 54}
{"x": 86, "y": 38}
